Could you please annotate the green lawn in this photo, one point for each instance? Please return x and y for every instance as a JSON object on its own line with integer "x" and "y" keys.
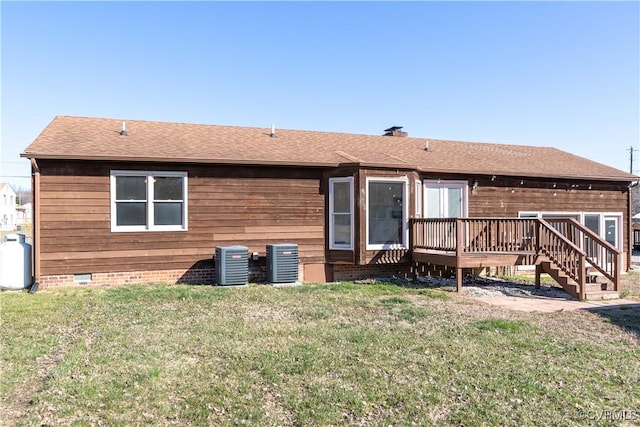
{"x": 339, "y": 354}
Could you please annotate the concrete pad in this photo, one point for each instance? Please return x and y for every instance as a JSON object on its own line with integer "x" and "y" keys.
{"x": 549, "y": 305}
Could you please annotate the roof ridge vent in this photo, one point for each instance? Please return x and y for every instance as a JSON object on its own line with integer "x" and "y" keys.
{"x": 123, "y": 132}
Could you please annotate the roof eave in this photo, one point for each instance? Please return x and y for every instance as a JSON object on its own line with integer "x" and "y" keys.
{"x": 263, "y": 162}
{"x": 258, "y": 162}
{"x": 629, "y": 178}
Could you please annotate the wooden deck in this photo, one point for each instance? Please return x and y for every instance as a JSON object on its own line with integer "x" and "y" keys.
{"x": 562, "y": 248}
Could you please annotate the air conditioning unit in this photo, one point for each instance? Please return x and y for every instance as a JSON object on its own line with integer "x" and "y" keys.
{"x": 282, "y": 263}
{"x": 232, "y": 265}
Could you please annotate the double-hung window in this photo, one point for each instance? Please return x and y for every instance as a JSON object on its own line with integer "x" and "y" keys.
{"x": 148, "y": 201}
{"x": 341, "y": 213}
{"x": 387, "y": 213}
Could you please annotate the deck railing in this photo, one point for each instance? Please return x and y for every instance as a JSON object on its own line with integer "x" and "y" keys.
{"x": 600, "y": 254}
{"x": 474, "y": 234}
{"x": 434, "y": 233}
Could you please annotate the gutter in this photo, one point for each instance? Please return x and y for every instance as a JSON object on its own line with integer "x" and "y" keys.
{"x": 248, "y": 162}
{"x": 629, "y": 178}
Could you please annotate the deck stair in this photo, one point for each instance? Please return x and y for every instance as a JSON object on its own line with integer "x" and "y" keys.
{"x": 596, "y": 288}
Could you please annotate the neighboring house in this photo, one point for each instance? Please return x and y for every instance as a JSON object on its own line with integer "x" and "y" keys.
{"x": 152, "y": 203}
{"x": 636, "y": 231}
{"x": 7, "y": 207}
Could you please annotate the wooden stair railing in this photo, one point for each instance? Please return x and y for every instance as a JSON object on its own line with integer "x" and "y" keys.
{"x": 566, "y": 255}
{"x": 599, "y": 253}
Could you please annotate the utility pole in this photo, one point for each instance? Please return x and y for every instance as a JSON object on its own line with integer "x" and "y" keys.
{"x": 631, "y": 159}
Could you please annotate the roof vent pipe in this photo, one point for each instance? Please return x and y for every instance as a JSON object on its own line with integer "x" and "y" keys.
{"x": 273, "y": 131}
{"x": 123, "y": 132}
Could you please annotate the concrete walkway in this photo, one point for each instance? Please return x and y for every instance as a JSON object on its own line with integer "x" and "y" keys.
{"x": 548, "y": 305}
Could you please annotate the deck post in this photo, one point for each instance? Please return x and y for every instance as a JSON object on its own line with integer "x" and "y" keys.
{"x": 538, "y": 273}
{"x": 582, "y": 282}
{"x": 458, "y": 254}
{"x": 617, "y": 267}
{"x": 458, "y": 239}
{"x": 412, "y": 234}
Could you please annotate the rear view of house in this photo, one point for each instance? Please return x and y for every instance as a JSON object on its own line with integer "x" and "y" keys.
{"x": 120, "y": 202}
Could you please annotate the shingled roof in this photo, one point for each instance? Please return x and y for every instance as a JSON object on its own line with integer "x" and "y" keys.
{"x": 100, "y": 139}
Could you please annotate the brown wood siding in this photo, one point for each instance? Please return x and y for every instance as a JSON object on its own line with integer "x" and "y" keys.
{"x": 250, "y": 206}
{"x": 506, "y": 197}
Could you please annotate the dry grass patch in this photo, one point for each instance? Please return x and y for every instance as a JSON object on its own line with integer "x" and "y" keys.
{"x": 340, "y": 354}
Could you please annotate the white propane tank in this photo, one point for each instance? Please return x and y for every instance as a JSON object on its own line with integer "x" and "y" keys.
{"x": 15, "y": 262}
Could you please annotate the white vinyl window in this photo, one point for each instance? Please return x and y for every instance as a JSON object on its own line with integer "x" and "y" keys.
{"x": 445, "y": 199}
{"x": 387, "y": 210}
{"x": 418, "y": 199}
{"x": 341, "y": 213}
{"x": 604, "y": 224}
{"x": 148, "y": 201}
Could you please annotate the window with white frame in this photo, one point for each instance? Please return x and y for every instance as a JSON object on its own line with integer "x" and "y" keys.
{"x": 387, "y": 213}
{"x": 604, "y": 224}
{"x": 418, "y": 199}
{"x": 445, "y": 199}
{"x": 341, "y": 213}
{"x": 148, "y": 201}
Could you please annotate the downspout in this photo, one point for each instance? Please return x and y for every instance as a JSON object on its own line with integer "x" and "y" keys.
{"x": 35, "y": 183}
{"x": 630, "y": 225}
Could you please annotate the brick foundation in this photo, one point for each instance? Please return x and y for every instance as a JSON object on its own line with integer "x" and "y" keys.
{"x": 355, "y": 272}
{"x": 201, "y": 276}
{"x": 194, "y": 276}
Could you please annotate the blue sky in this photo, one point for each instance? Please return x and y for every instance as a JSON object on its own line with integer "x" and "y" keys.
{"x": 562, "y": 74}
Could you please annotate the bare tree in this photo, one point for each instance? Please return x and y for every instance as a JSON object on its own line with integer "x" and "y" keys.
{"x": 23, "y": 195}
